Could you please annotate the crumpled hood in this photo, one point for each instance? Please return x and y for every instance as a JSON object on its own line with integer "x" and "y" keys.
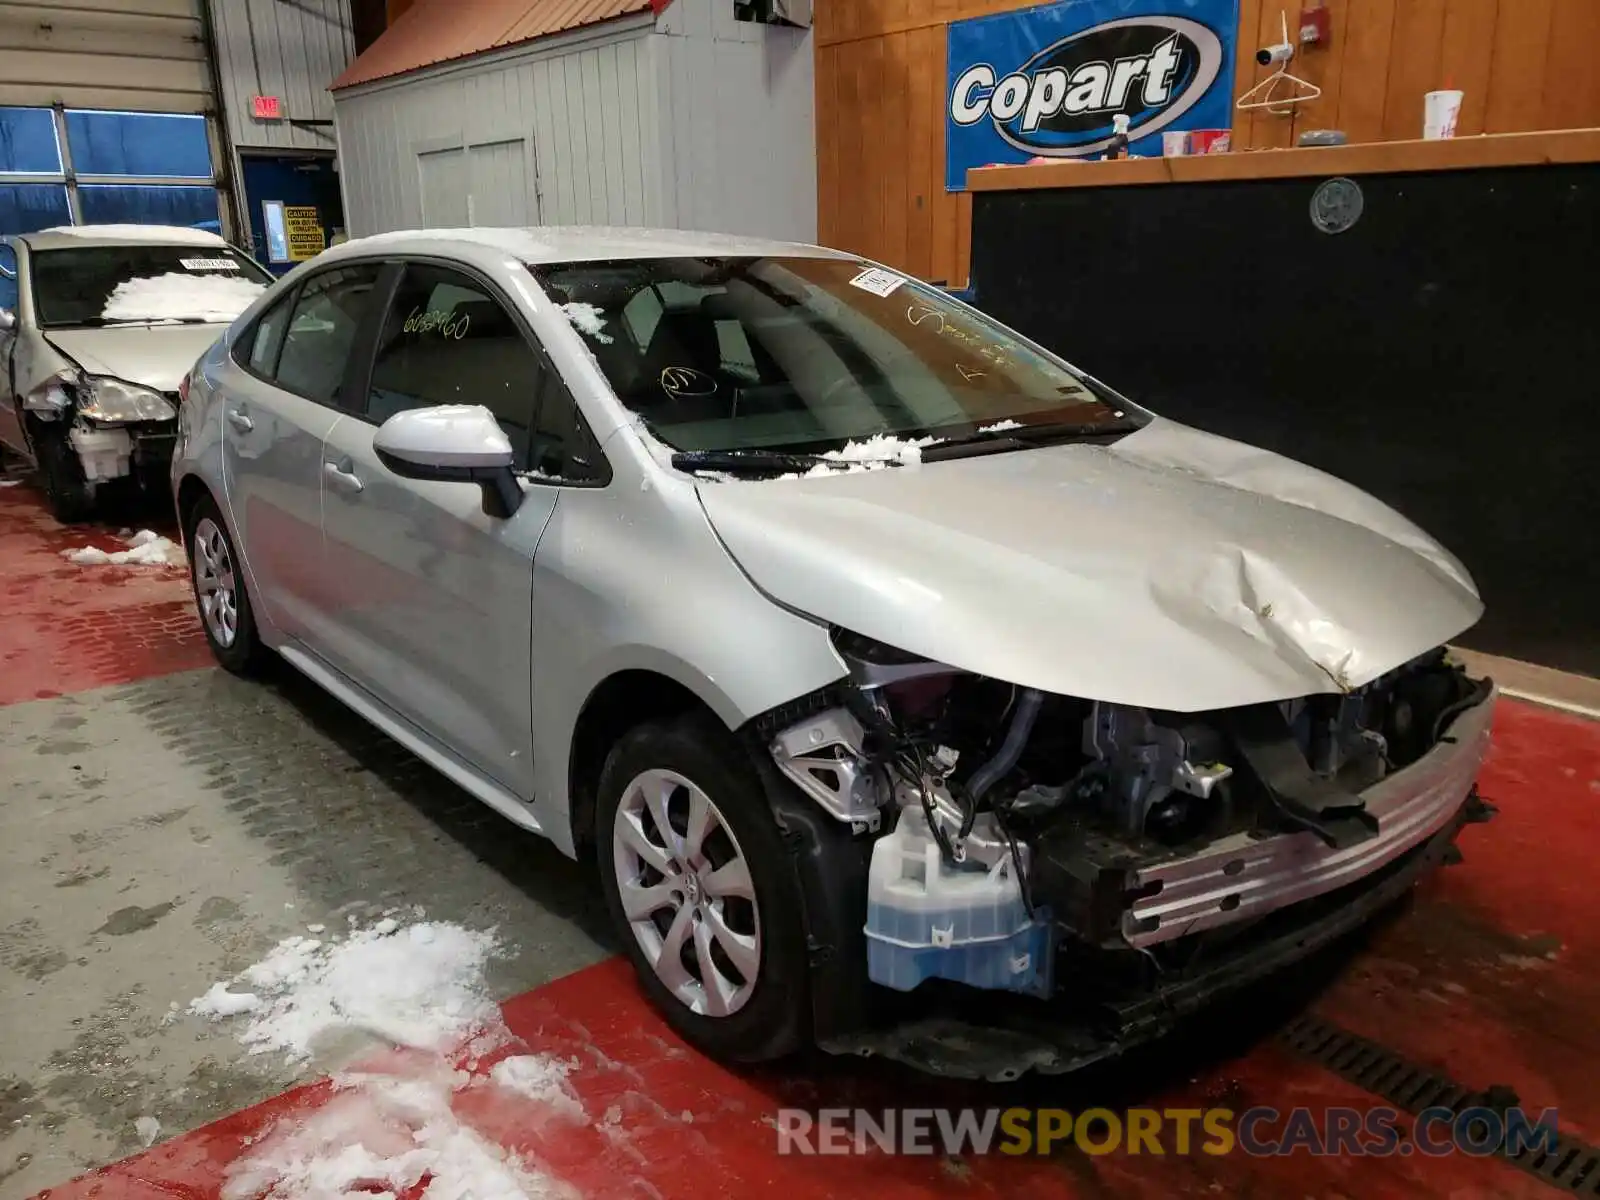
{"x": 1174, "y": 569}
{"x": 157, "y": 356}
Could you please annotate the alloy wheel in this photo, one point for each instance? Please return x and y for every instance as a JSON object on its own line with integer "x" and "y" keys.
{"x": 685, "y": 887}
{"x": 214, "y": 582}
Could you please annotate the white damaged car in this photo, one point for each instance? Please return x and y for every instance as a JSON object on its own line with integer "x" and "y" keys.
{"x": 98, "y": 326}
{"x": 912, "y": 692}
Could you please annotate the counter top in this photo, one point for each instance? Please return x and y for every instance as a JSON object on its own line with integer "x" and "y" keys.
{"x": 1369, "y": 158}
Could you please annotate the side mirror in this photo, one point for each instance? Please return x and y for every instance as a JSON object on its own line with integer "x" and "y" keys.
{"x": 457, "y": 443}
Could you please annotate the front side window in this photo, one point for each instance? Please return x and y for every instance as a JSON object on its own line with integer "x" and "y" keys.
{"x": 805, "y": 354}
{"x": 110, "y": 285}
{"x": 447, "y": 340}
{"x": 321, "y": 331}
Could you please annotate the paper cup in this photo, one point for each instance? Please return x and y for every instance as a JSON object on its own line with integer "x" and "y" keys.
{"x": 1441, "y": 111}
{"x": 1175, "y": 143}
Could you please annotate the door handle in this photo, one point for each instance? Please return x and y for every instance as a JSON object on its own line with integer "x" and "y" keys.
{"x": 342, "y": 475}
{"x": 238, "y": 419}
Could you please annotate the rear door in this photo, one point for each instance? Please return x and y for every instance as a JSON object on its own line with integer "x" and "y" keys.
{"x": 283, "y": 395}
{"x": 434, "y": 611}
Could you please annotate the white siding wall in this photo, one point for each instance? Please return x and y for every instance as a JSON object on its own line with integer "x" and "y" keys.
{"x": 737, "y": 123}
{"x": 558, "y": 132}
{"x": 289, "y": 50}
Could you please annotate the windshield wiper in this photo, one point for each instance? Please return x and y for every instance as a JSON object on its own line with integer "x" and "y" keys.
{"x": 1022, "y": 437}
{"x": 763, "y": 462}
{"x": 107, "y": 322}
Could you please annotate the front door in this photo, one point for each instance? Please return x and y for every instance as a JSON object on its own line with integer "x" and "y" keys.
{"x": 283, "y": 394}
{"x": 434, "y": 611}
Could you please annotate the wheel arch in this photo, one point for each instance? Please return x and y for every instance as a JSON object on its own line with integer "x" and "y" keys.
{"x": 621, "y": 701}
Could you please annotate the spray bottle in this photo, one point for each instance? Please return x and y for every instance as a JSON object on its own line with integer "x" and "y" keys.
{"x": 1119, "y": 137}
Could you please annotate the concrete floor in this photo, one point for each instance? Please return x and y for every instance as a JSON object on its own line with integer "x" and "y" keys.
{"x": 162, "y": 824}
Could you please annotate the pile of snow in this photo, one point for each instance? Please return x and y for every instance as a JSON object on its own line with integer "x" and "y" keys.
{"x": 148, "y": 1129}
{"x": 873, "y": 454}
{"x": 385, "y": 1135}
{"x": 589, "y": 319}
{"x": 1000, "y": 427}
{"x": 392, "y": 1128}
{"x": 421, "y": 986}
{"x": 145, "y": 549}
{"x": 176, "y": 296}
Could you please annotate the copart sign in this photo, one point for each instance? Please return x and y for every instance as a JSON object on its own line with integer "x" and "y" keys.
{"x": 1048, "y": 81}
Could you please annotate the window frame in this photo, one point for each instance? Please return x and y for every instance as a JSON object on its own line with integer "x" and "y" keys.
{"x": 553, "y": 381}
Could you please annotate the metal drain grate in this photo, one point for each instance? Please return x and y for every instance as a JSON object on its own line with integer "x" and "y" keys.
{"x": 1574, "y": 1166}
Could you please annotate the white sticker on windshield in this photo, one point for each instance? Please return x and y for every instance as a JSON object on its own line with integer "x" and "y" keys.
{"x": 878, "y": 281}
{"x": 209, "y": 264}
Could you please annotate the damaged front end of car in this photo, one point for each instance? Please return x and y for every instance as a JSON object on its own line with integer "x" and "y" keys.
{"x": 1057, "y": 878}
{"x": 114, "y": 429}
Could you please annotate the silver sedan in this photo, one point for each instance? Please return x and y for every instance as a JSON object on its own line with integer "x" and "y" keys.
{"x": 882, "y": 661}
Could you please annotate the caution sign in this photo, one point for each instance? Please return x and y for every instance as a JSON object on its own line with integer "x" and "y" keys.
{"x": 304, "y": 226}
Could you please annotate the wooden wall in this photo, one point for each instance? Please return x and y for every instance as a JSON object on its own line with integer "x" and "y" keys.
{"x": 880, "y": 70}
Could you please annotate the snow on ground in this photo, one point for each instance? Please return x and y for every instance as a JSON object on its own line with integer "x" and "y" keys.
{"x": 392, "y": 1125}
{"x": 145, "y": 549}
{"x": 176, "y": 296}
{"x": 589, "y": 319}
{"x": 148, "y": 1129}
{"x": 421, "y": 986}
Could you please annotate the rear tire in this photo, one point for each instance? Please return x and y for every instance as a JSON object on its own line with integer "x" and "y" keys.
{"x": 736, "y": 900}
{"x": 70, "y": 498}
{"x": 220, "y": 596}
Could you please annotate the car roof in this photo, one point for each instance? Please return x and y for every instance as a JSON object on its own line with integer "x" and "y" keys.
{"x": 68, "y": 236}
{"x": 575, "y": 243}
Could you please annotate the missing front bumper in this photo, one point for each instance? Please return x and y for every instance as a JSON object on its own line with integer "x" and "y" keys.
{"x": 1111, "y": 895}
{"x": 1014, "y": 1035}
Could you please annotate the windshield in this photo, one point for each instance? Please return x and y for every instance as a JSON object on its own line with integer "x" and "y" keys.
{"x": 104, "y": 285}
{"x": 807, "y": 354}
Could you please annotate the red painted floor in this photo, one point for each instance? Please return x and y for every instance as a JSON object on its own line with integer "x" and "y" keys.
{"x": 1493, "y": 976}
{"x": 68, "y": 627}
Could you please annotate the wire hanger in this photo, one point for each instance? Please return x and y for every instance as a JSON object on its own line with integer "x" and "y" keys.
{"x": 1280, "y": 105}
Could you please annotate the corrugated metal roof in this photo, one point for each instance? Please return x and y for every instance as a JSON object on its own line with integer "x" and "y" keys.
{"x": 436, "y": 31}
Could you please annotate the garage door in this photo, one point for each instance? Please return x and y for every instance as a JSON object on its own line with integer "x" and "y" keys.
{"x": 101, "y": 114}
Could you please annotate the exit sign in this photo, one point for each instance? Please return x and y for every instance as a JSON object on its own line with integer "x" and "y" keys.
{"x": 265, "y": 108}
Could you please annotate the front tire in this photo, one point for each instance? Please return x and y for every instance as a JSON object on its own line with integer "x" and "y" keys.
{"x": 70, "y": 498}
{"x": 701, "y": 890}
{"x": 219, "y": 592}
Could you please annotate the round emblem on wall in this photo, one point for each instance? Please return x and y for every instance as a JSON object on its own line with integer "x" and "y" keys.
{"x": 1337, "y": 205}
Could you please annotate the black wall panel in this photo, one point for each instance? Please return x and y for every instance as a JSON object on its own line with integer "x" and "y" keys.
{"x": 1443, "y": 353}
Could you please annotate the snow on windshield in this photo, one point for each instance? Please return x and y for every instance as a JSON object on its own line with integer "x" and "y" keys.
{"x": 176, "y": 296}
{"x": 589, "y": 319}
{"x": 871, "y": 454}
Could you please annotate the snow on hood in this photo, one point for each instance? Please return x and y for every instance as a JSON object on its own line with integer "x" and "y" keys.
{"x": 1173, "y": 569}
{"x": 176, "y": 296}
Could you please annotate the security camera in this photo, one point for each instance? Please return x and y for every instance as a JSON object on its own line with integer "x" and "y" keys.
{"x": 1269, "y": 55}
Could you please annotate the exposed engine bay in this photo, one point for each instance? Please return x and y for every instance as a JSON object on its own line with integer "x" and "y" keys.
{"x": 112, "y": 428}
{"x": 1009, "y": 823}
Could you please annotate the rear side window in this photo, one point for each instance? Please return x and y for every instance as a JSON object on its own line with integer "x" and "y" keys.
{"x": 259, "y": 348}
{"x": 321, "y": 331}
{"x": 447, "y": 340}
